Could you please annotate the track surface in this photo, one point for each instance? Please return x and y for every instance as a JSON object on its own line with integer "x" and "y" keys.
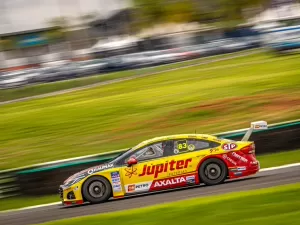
{"x": 56, "y": 212}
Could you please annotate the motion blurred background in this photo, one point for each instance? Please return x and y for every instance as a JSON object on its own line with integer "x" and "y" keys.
{"x": 219, "y": 65}
{"x": 63, "y": 39}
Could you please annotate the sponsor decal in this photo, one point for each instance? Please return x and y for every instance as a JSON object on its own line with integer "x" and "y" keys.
{"x": 182, "y": 145}
{"x": 235, "y": 155}
{"x": 191, "y": 179}
{"x": 99, "y": 168}
{"x": 141, "y": 186}
{"x": 229, "y": 146}
{"x": 261, "y": 126}
{"x": 229, "y": 159}
{"x": 176, "y": 151}
{"x": 238, "y": 173}
{"x": 165, "y": 167}
{"x": 131, "y": 188}
{"x": 191, "y": 147}
{"x": 145, "y": 186}
{"x": 117, "y": 186}
{"x": 116, "y": 180}
{"x": 130, "y": 171}
{"x": 115, "y": 175}
{"x": 243, "y": 168}
{"x": 254, "y": 162}
{"x": 177, "y": 173}
{"x": 213, "y": 150}
{"x": 169, "y": 182}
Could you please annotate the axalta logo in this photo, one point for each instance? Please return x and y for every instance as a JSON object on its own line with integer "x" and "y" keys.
{"x": 168, "y": 182}
{"x": 165, "y": 167}
{"x": 239, "y": 157}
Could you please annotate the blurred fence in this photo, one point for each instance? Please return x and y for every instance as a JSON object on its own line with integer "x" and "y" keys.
{"x": 45, "y": 178}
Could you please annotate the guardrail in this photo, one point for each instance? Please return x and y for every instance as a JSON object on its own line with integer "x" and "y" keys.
{"x": 45, "y": 178}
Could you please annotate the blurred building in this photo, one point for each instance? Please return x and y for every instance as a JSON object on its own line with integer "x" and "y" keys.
{"x": 116, "y": 24}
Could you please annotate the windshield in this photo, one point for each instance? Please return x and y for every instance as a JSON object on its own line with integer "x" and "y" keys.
{"x": 122, "y": 156}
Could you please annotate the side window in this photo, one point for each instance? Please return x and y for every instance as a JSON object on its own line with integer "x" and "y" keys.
{"x": 149, "y": 152}
{"x": 188, "y": 145}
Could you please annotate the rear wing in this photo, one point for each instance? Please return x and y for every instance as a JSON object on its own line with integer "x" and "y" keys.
{"x": 258, "y": 125}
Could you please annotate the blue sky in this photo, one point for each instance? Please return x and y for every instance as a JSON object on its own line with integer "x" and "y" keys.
{"x": 19, "y": 15}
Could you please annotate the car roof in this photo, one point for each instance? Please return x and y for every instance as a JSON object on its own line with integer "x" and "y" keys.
{"x": 176, "y": 136}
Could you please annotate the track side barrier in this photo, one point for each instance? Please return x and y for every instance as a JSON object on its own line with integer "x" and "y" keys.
{"x": 42, "y": 179}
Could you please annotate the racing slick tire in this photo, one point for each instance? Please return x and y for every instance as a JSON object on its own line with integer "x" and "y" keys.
{"x": 213, "y": 171}
{"x": 96, "y": 189}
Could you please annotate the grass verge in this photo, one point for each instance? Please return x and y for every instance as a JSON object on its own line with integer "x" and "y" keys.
{"x": 276, "y": 205}
{"x": 279, "y": 159}
{"x": 210, "y": 98}
{"x": 269, "y": 160}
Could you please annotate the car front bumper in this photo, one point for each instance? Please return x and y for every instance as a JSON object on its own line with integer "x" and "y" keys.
{"x": 70, "y": 195}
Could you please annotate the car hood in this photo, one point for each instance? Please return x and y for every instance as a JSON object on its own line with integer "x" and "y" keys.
{"x": 87, "y": 172}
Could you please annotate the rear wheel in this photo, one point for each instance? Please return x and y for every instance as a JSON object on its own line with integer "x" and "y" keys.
{"x": 96, "y": 189}
{"x": 213, "y": 171}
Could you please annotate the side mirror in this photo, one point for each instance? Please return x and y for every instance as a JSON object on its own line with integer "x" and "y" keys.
{"x": 132, "y": 161}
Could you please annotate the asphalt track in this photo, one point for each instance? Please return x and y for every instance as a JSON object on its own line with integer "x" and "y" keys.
{"x": 55, "y": 212}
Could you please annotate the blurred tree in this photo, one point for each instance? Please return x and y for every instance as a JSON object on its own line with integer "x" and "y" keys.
{"x": 60, "y": 21}
{"x": 88, "y": 17}
{"x": 148, "y": 12}
{"x": 179, "y": 11}
{"x": 226, "y": 13}
{"x": 62, "y": 25}
{"x": 7, "y": 44}
{"x": 61, "y": 33}
{"x": 54, "y": 35}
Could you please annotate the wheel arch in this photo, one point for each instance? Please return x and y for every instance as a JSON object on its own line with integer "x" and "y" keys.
{"x": 96, "y": 175}
{"x": 212, "y": 157}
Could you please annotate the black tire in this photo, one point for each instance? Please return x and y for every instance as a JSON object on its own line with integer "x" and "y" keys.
{"x": 213, "y": 171}
{"x": 91, "y": 188}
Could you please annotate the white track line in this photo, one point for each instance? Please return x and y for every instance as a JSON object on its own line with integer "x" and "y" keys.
{"x": 57, "y": 203}
{"x": 280, "y": 167}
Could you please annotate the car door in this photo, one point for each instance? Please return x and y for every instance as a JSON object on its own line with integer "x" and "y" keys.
{"x": 158, "y": 167}
{"x": 192, "y": 151}
{"x": 139, "y": 177}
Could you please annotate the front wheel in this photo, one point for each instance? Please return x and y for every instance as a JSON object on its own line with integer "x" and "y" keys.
{"x": 213, "y": 171}
{"x": 96, "y": 189}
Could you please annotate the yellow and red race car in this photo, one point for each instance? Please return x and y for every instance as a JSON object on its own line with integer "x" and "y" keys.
{"x": 164, "y": 163}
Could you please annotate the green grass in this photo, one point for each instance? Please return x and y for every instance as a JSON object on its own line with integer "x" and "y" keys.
{"x": 21, "y": 201}
{"x": 11, "y": 94}
{"x": 266, "y": 161}
{"x": 210, "y": 98}
{"x": 276, "y": 206}
{"x": 279, "y": 159}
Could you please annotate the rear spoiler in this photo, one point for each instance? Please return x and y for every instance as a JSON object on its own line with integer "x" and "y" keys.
{"x": 258, "y": 125}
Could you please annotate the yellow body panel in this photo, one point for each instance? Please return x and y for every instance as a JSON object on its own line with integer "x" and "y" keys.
{"x": 186, "y": 163}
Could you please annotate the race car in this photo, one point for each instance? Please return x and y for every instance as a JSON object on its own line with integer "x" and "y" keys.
{"x": 164, "y": 163}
